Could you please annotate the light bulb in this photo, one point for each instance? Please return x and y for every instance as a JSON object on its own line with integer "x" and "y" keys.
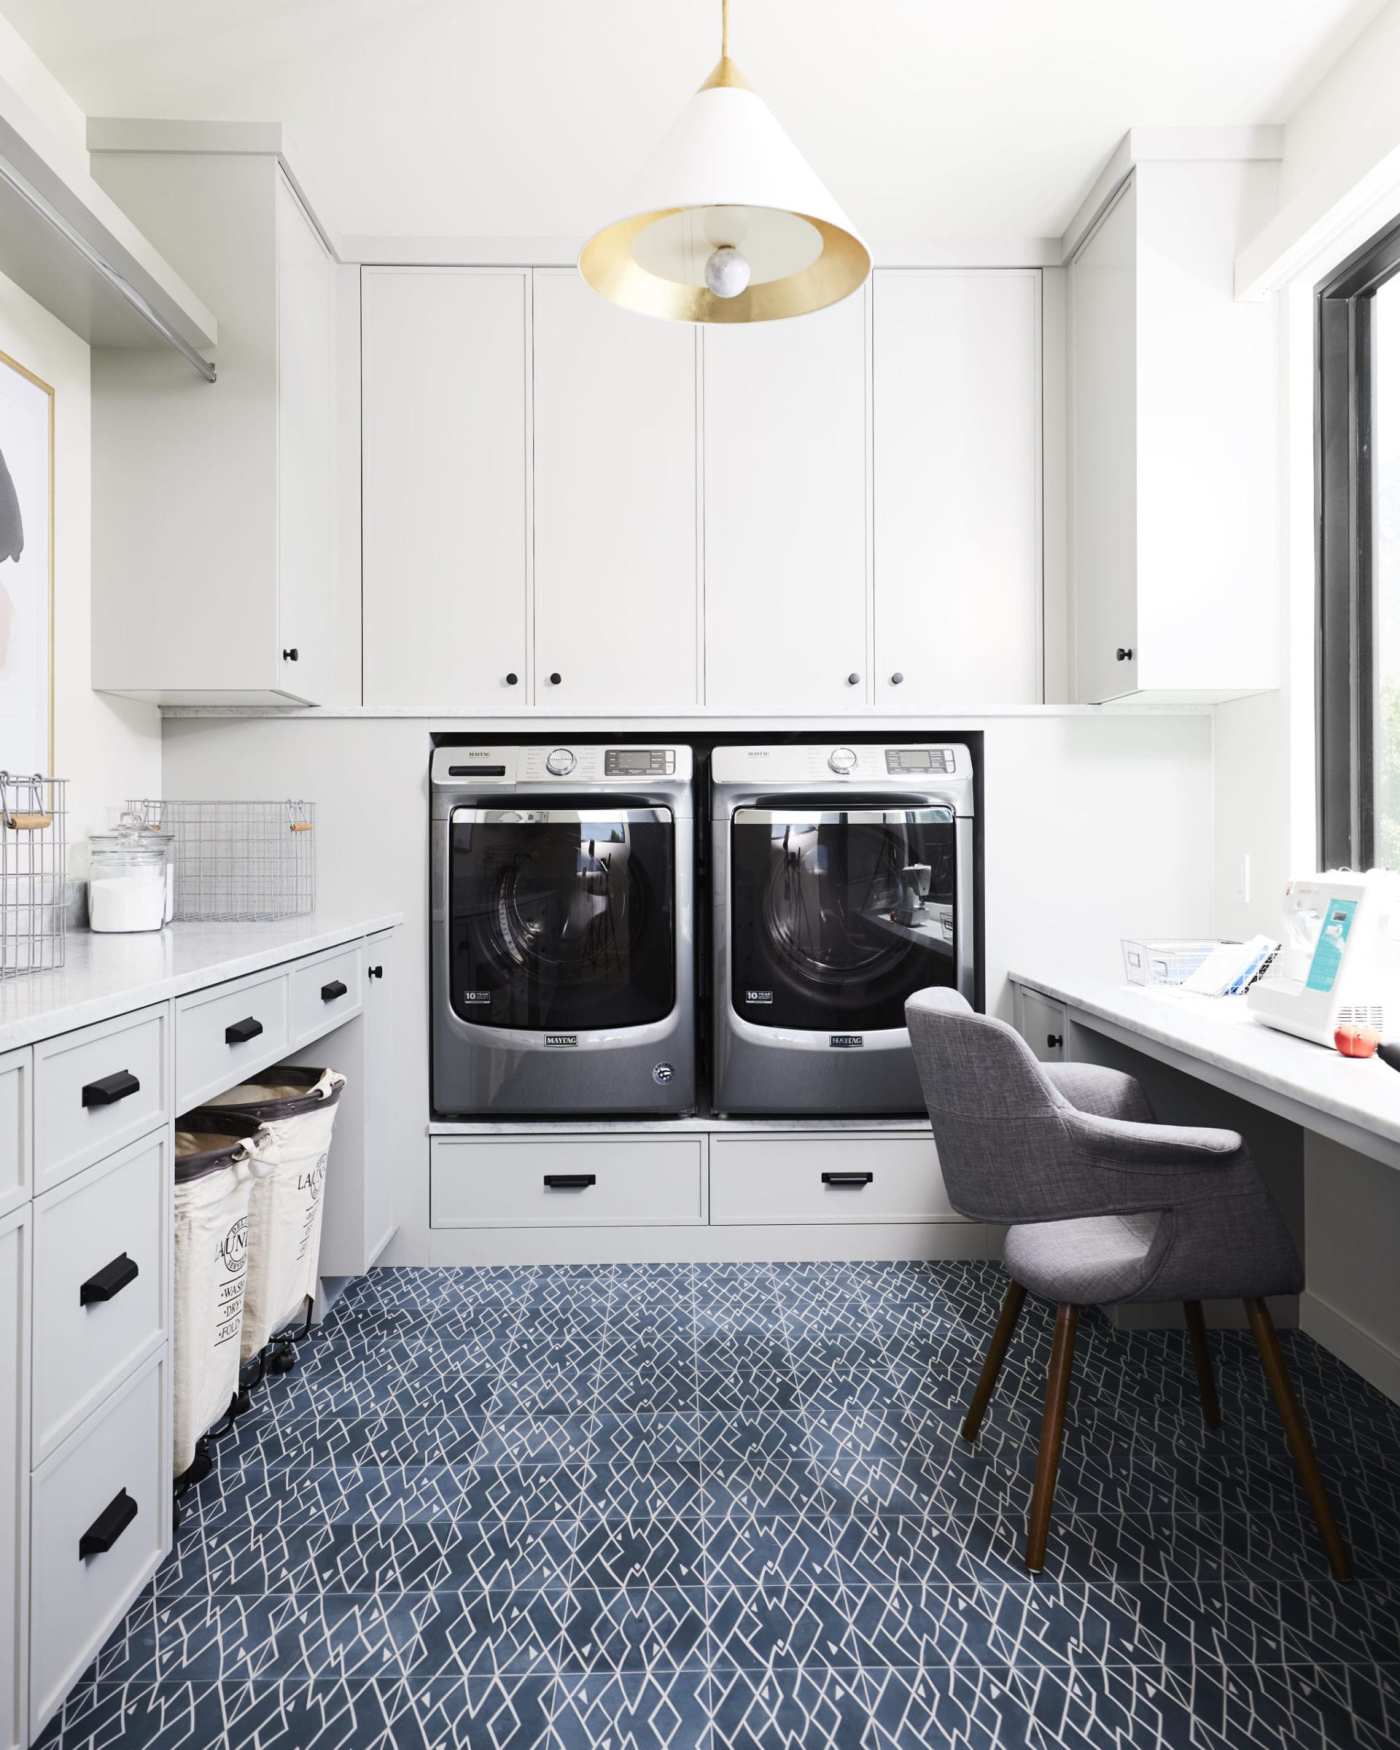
{"x": 727, "y": 272}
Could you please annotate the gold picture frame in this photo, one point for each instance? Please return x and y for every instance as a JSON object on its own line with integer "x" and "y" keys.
{"x": 46, "y": 619}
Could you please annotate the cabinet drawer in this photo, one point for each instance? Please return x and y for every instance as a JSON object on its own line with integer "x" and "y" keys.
{"x": 228, "y": 1033}
{"x": 568, "y": 1181}
{"x": 326, "y": 991}
{"x": 847, "y": 1178}
{"x": 15, "y": 1279}
{"x": 97, "y": 1090}
{"x": 100, "y": 1245}
{"x": 1041, "y": 1023}
{"x": 80, "y": 1501}
{"x": 16, "y": 1127}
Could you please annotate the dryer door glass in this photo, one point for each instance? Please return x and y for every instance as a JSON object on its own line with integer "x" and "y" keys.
{"x": 562, "y": 920}
{"x": 839, "y": 915}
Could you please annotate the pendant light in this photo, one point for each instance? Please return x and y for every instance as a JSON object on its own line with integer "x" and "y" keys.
{"x": 729, "y": 223}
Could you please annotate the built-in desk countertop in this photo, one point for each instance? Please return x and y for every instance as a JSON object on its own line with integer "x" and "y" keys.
{"x": 107, "y": 975}
{"x": 1355, "y": 1101}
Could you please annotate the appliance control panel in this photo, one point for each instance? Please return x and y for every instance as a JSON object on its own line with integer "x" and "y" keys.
{"x": 823, "y": 762}
{"x": 556, "y": 763}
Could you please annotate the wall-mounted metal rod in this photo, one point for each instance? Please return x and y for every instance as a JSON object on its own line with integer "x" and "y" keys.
{"x": 123, "y": 288}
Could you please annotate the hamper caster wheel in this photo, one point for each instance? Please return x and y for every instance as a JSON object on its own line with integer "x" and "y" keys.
{"x": 282, "y": 1360}
{"x": 242, "y": 1403}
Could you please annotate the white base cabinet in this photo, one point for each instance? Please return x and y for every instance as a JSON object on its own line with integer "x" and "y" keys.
{"x": 15, "y": 1297}
{"x": 101, "y": 1512}
{"x": 87, "y": 1139}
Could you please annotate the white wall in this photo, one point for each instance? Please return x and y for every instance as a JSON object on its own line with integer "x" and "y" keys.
{"x": 108, "y": 749}
{"x": 1096, "y": 827}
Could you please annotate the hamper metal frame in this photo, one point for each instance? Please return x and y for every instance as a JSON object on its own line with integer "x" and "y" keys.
{"x": 238, "y": 861}
{"x": 33, "y": 873}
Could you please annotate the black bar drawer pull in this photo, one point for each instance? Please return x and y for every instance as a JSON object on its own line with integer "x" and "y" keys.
{"x": 242, "y": 1031}
{"x": 108, "y": 1282}
{"x": 569, "y": 1181}
{"x": 110, "y": 1089}
{"x": 336, "y": 988}
{"x": 855, "y": 1180}
{"x": 108, "y": 1526}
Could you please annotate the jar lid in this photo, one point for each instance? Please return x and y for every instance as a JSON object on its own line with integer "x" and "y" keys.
{"x": 132, "y": 834}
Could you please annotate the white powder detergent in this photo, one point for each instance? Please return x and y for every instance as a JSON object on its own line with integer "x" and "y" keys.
{"x": 126, "y": 902}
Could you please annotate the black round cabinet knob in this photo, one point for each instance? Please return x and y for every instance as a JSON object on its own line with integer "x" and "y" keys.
{"x": 1125, "y": 653}
{"x": 896, "y": 679}
{"x": 512, "y": 680}
{"x": 555, "y": 678}
{"x": 852, "y": 680}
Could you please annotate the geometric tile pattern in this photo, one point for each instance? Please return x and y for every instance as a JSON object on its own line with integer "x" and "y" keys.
{"x": 661, "y": 1507}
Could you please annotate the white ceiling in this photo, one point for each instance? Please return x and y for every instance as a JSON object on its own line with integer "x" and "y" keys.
{"x": 455, "y": 118}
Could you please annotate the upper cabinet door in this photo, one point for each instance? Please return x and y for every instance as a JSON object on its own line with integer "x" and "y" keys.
{"x": 306, "y": 449}
{"x": 615, "y": 489}
{"x": 957, "y": 488}
{"x": 785, "y": 497}
{"x": 444, "y": 491}
{"x": 1103, "y": 454}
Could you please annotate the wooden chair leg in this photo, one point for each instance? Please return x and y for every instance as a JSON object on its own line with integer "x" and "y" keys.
{"x": 1051, "y": 1433}
{"x": 1205, "y": 1372}
{"x": 996, "y": 1354}
{"x": 1300, "y": 1444}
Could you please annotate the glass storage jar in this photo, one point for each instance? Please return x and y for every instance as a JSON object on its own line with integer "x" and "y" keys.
{"x": 127, "y": 879}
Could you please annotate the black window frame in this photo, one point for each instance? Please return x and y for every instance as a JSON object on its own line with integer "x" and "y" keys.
{"x": 1345, "y": 674}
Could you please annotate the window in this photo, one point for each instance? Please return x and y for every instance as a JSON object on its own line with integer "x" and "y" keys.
{"x": 1358, "y": 479}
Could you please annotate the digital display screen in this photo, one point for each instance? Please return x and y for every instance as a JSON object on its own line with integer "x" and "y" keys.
{"x": 630, "y": 760}
{"x": 918, "y": 759}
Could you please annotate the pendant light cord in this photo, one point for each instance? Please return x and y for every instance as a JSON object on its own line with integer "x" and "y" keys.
{"x": 724, "y": 29}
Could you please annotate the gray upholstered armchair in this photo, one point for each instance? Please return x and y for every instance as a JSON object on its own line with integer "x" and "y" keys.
{"x": 1102, "y": 1206}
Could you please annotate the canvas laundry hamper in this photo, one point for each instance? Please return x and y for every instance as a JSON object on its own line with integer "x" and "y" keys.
{"x": 294, "y": 1109}
{"x": 214, "y": 1168}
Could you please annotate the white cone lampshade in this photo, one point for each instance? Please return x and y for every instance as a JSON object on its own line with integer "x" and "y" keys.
{"x": 727, "y": 179}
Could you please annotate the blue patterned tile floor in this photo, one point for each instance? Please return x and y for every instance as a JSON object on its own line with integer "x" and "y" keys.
{"x": 726, "y": 1507}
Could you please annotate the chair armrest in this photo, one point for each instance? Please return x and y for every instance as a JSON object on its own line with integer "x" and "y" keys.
{"x": 1116, "y": 1142}
{"x": 1106, "y": 1093}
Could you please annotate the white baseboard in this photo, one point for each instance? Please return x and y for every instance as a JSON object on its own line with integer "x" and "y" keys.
{"x": 1366, "y": 1354}
{"x": 708, "y": 1245}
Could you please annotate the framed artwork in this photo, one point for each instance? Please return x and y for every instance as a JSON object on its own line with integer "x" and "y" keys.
{"x": 26, "y": 570}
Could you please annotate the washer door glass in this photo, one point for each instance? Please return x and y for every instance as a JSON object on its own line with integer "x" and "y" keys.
{"x": 839, "y": 915}
{"x": 562, "y": 920}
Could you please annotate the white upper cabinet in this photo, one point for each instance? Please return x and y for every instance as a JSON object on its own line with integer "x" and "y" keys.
{"x": 1174, "y": 515}
{"x": 213, "y": 504}
{"x": 306, "y": 445}
{"x": 614, "y": 503}
{"x": 1103, "y": 445}
{"x": 445, "y": 486}
{"x": 784, "y": 420}
{"x": 957, "y": 488}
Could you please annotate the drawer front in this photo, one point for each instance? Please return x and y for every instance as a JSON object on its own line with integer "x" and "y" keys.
{"x": 1041, "y": 1023}
{"x": 80, "y": 1501}
{"x": 568, "y": 1181}
{"x": 97, "y": 1090}
{"x": 835, "y": 1179}
{"x": 326, "y": 991}
{"x": 15, "y": 1278}
{"x": 228, "y": 1033}
{"x": 100, "y": 1250}
{"x": 16, "y": 1128}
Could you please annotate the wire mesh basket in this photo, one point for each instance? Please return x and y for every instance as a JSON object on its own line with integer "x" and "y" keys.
{"x": 238, "y": 861}
{"x": 33, "y": 873}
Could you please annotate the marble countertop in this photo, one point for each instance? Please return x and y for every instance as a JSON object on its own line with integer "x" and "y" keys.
{"x": 107, "y": 975}
{"x": 1362, "y": 1094}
